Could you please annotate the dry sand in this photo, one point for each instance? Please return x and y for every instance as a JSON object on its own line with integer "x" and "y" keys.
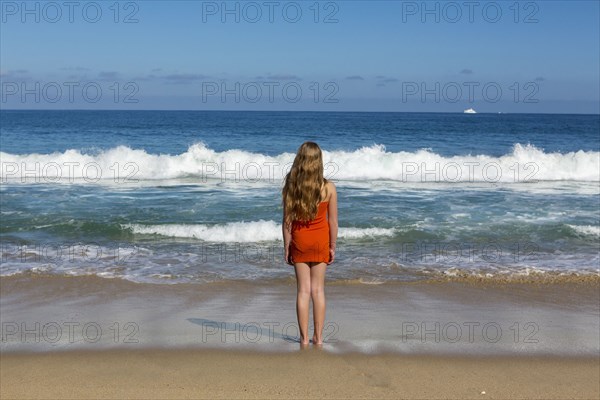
{"x": 310, "y": 373}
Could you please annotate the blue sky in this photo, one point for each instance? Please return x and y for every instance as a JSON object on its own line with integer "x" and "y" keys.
{"x": 501, "y": 56}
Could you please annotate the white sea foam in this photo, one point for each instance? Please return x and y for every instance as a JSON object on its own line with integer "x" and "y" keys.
{"x": 525, "y": 163}
{"x": 241, "y": 232}
{"x": 587, "y": 230}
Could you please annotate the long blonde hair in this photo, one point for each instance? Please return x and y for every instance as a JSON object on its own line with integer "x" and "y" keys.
{"x": 301, "y": 192}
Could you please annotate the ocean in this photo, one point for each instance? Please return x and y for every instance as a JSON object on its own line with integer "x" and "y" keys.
{"x": 460, "y": 234}
{"x": 170, "y": 197}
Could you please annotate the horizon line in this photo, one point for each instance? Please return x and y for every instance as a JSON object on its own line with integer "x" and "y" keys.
{"x": 299, "y": 111}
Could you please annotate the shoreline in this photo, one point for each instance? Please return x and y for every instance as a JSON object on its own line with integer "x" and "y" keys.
{"x": 212, "y": 373}
{"x": 449, "y": 318}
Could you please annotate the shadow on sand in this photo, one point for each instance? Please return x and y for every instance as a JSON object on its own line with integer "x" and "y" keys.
{"x": 251, "y": 332}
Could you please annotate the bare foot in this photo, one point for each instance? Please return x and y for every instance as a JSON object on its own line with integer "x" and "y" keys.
{"x": 317, "y": 341}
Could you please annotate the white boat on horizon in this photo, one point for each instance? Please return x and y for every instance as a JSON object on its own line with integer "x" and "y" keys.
{"x": 470, "y": 111}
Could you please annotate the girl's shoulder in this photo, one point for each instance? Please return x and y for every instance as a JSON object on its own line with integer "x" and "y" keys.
{"x": 328, "y": 189}
{"x": 329, "y": 185}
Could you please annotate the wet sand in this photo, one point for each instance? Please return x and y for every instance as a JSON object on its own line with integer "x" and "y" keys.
{"x": 91, "y": 313}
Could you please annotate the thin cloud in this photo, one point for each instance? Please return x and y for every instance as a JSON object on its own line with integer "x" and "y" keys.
{"x": 355, "y": 78}
{"x": 16, "y": 73}
{"x": 540, "y": 79}
{"x": 284, "y": 77}
{"x": 75, "y": 77}
{"x": 382, "y": 80}
{"x": 466, "y": 71}
{"x": 150, "y": 77}
{"x": 172, "y": 78}
{"x": 108, "y": 75}
{"x": 184, "y": 78}
{"x": 78, "y": 69}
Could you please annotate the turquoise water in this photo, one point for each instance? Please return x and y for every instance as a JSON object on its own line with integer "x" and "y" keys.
{"x": 173, "y": 197}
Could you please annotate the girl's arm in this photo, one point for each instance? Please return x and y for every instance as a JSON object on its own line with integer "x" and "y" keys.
{"x": 332, "y": 212}
{"x": 287, "y": 238}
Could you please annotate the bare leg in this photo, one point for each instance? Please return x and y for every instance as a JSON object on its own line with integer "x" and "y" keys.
{"x": 303, "y": 299}
{"x": 317, "y": 292}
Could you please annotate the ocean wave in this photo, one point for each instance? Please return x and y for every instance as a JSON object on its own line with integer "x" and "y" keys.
{"x": 586, "y": 230}
{"x": 241, "y": 232}
{"x": 264, "y": 262}
{"x": 525, "y": 163}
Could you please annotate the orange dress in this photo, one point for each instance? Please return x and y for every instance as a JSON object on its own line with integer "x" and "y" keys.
{"x": 310, "y": 240}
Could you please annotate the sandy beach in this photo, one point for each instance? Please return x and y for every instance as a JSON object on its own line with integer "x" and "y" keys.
{"x": 49, "y": 313}
{"x": 311, "y": 373}
{"x": 87, "y": 337}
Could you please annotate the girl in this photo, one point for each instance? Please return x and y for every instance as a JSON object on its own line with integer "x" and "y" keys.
{"x": 310, "y": 226}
